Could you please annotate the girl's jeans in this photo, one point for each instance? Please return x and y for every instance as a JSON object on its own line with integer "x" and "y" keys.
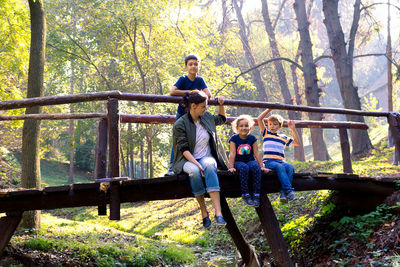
{"x": 246, "y": 169}
{"x": 285, "y": 172}
{"x": 210, "y": 174}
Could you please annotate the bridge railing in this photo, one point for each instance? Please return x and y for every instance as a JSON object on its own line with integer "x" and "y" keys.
{"x": 393, "y": 118}
{"x": 109, "y": 126}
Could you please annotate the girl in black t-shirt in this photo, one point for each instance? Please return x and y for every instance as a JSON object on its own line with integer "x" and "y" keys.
{"x": 245, "y": 158}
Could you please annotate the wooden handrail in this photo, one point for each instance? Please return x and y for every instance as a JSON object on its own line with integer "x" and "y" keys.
{"x": 155, "y": 119}
{"x": 68, "y": 99}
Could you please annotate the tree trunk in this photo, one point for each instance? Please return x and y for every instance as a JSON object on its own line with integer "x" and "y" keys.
{"x": 30, "y": 162}
{"x": 255, "y": 74}
{"x": 287, "y": 97}
{"x": 389, "y": 63}
{"x": 141, "y": 161}
{"x": 312, "y": 91}
{"x": 71, "y": 128}
{"x": 298, "y": 150}
{"x": 150, "y": 137}
{"x": 132, "y": 166}
{"x": 343, "y": 62}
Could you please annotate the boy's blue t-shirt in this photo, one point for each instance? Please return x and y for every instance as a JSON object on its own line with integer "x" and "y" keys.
{"x": 244, "y": 147}
{"x": 184, "y": 83}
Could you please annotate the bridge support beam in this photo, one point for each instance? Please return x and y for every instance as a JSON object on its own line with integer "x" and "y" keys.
{"x": 8, "y": 224}
{"x": 114, "y": 156}
{"x": 247, "y": 252}
{"x": 273, "y": 233}
{"x": 394, "y": 125}
{"x": 345, "y": 146}
{"x": 100, "y": 170}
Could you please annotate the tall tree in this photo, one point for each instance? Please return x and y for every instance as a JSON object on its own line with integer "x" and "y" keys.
{"x": 343, "y": 61}
{"x": 312, "y": 91}
{"x": 389, "y": 62}
{"x": 287, "y": 97}
{"x": 255, "y": 74}
{"x": 30, "y": 163}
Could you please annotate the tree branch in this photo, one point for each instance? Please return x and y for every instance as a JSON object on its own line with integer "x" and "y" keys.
{"x": 257, "y": 66}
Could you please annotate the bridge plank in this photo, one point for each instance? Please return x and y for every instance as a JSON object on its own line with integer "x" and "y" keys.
{"x": 176, "y": 187}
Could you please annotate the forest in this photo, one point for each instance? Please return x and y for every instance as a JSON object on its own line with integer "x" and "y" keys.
{"x": 328, "y": 53}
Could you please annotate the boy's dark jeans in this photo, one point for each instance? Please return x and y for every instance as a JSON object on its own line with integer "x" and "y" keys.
{"x": 285, "y": 172}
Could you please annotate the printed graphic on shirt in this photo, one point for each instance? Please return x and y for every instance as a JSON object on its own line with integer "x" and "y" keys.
{"x": 244, "y": 149}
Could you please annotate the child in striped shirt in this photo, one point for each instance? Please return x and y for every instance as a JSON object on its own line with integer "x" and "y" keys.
{"x": 274, "y": 145}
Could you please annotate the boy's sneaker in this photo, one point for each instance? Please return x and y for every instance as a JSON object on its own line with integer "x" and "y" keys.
{"x": 220, "y": 220}
{"x": 291, "y": 195}
{"x": 247, "y": 199}
{"x": 256, "y": 201}
{"x": 283, "y": 197}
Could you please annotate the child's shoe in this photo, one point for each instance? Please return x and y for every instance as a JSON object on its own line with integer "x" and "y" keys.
{"x": 247, "y": 199}
{"x": 283, "y": 197}
{"x": 256, "y": 200}
{"x": 220, "y": 220}
{"x": 291, "y": 195}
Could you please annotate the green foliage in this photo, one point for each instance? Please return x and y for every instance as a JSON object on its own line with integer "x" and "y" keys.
{"x": 86, "y": 243}
{"x": 371, "y": 104}
{"x": 84, "y": 155}
{"x": 357, "y": 229}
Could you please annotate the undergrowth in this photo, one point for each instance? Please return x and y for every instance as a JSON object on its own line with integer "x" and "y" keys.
{"x": 170, "y": 232}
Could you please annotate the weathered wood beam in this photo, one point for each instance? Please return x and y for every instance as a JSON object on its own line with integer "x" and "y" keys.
{"x": 51, "y": 116}
{"x": 246, "y": 251}
{"x": 8, "y": 224}
{"x": 394, "y": 125}
{"x": 155, "y": 119}
{"x": 57, "y": 100}
{"x": 176, "y": 187}
{"x": 345, "y": 147}
{"x": 67, "y": 99}
{"x": 100, "y": 169}
{"x": 273, "y": 233}
{"x": 114, "y": 156}
{"x": 253, "y": 104}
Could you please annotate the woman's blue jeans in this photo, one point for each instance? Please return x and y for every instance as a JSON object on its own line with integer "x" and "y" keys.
{"x": 284, "y": 171}
{"x": 210, "y": 176}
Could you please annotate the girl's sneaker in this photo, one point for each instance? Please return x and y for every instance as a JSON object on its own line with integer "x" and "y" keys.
{"x": 291, "y": 195}
{"x": 283, "y": 197}
{"x": 256, "y": 201}
{"x": 247, "y": 199}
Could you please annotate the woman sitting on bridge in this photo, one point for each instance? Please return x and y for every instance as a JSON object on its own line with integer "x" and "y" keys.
{"x": 195, "y": 150}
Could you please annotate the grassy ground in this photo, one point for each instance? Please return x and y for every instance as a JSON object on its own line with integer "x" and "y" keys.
{"x": 170, "y": 233}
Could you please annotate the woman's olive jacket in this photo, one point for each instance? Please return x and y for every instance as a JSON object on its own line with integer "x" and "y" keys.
{"x": 184, "y": 138}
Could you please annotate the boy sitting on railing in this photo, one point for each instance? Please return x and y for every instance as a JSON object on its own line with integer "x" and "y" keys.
{"x": 274, "y": 157}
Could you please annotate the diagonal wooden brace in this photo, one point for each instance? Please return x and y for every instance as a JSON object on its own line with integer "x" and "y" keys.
{"x": 273, "y": 233}
{"x": 247, "y": 252}
{"x": 8, "y": 224}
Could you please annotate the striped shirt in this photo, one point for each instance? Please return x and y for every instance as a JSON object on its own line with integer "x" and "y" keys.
{"x": 274, "y": 145}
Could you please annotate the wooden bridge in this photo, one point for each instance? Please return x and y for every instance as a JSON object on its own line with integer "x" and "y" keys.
{"x": 115, "y": 190}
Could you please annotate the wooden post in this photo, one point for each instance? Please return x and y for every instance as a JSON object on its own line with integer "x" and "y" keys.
{"x": 273, "y": 233}
{"x": 394, "y": 125}
{"x": 114, "y": 156}
{"x": 100, "y": 170}
{"x": 8, "y": 224}
{"x": 345, "y": 146}
{"x": 246, "y": 251}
